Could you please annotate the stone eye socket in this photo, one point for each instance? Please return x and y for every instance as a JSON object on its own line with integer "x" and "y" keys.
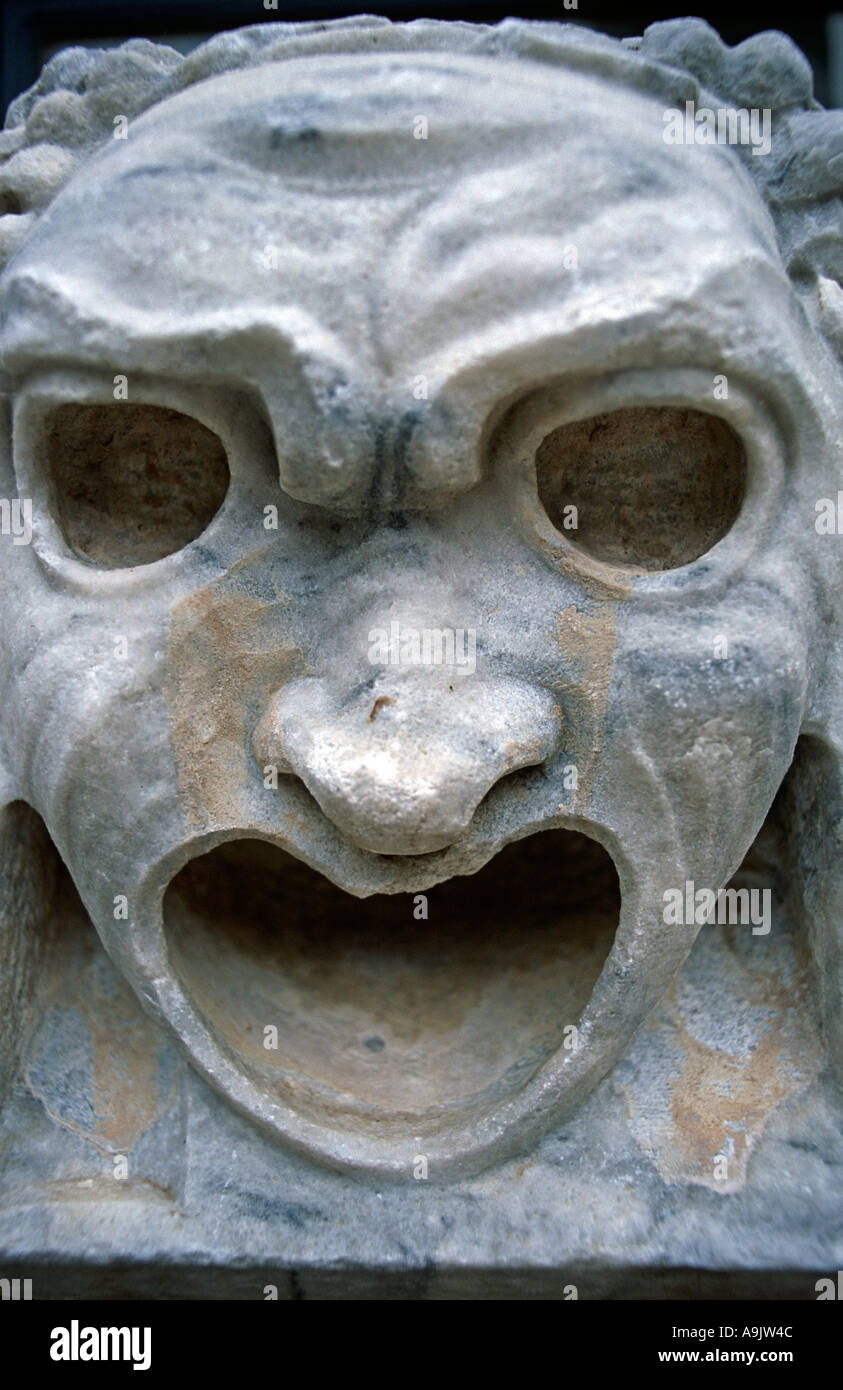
{"x": 652, "y": 486}
{"x": 130, "y": 484}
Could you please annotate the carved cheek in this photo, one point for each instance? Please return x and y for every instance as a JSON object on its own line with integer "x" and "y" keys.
{"x": 228, "y": 650}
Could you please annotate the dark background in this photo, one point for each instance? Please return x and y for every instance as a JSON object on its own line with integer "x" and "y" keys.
{"x": 32, "y": 30}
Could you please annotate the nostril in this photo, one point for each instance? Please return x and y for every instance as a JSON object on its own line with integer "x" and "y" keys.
{"x": 510, "y": 783}
{"x": 281, "y": 727}
{"x": 268, "y": 749}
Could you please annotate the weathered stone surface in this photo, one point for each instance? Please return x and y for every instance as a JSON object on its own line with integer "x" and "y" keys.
{"x": 621, "y": 1201}
{"x": 431, "y": 575}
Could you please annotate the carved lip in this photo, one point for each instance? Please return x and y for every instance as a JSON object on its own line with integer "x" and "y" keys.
{"x": 364, "y": 1034}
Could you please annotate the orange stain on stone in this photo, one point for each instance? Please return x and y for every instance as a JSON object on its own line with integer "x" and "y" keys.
{"x": 228, "y": 652}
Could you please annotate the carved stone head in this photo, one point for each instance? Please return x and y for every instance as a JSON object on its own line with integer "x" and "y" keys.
{"x": 427, "y": 433}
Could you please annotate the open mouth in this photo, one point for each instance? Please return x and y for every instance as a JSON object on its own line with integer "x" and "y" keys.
{"x": 393, "y": 1007}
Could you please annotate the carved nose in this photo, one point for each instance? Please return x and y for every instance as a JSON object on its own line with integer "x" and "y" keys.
{"x": 401, "y": 769}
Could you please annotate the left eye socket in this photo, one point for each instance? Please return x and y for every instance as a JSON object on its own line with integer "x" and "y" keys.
{"x": 652, "y": 487}
{"x": 132, "y": 483}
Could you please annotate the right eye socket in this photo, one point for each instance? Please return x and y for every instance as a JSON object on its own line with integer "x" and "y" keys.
{"x": 652, "y": 487}
{"x": 132, "y": 483}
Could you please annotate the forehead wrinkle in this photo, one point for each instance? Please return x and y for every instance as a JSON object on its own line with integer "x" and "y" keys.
{"x": 348, "y": 309}
{"x": 357, "y": 98}
{"x": 489, "y": 254}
